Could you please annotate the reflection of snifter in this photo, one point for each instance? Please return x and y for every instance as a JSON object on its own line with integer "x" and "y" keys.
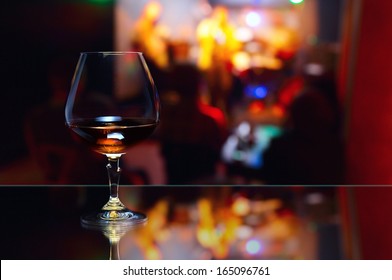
{"x": 113, "y": 232}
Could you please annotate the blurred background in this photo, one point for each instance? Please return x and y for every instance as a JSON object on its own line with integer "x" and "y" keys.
{"x": 254, "y": 92}
{"x": 249, "y": 89}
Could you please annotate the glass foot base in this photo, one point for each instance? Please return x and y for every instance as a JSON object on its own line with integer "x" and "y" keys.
{"x": 104, "y": 218}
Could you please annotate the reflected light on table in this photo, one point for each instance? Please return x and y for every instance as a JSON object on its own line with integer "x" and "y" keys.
{"x": 242, "y": 228}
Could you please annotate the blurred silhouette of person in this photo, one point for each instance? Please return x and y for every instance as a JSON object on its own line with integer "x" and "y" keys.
{"x": 310, "y": 151}
{"x": 150, "y": 36}
{"x": 216, "y": 37}
{"x": 191, "y": 133}
{"x": 217, "y": 44}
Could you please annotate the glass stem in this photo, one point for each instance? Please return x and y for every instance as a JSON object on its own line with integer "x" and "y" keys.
{"x": 114, "y": 171}
{"x": 114, "y": 250}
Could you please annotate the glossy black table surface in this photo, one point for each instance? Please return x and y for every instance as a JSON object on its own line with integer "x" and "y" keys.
{"x": 185, "y": 222}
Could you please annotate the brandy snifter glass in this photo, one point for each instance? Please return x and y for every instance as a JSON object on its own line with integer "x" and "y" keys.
{"x": 112, "y": 105}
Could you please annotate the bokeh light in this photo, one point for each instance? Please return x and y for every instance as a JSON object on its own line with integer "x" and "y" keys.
{"x": 253, "y": 247}
{"x": 253, "y": 19}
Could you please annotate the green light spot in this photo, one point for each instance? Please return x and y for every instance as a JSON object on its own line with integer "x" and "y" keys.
{"x": 296, "y": 1}
{"x": 100, "y": 2}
